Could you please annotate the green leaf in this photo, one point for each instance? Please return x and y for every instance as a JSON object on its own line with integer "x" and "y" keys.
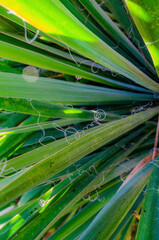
{"x": 72, "y": 153}
{"x": 86, "y": 213}
{"x": 111, "y": 28}
{"x": 128, "y": 219}
{"x": 116, "y": 7}
{"x": 145, "y": 15}
{"x": 41, "y": 153}
{"x": 47, "y": 109}
{"x": 112, "y": 214}
{"x": 148, "y": 225}
{"x": 52, "y": 59}
{"x": 35, "y": 127}
{"x": 58, "y": 91}
{"x": 78, "y": 37}
{"x": 16, "y": 140}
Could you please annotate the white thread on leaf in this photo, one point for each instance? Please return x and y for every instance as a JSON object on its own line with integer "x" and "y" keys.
{"x": 68, "y": 174}
{"x": 38, "y": 123}
{"x": 94, "y": 168}
{"x": 78, "y": 63}
{"x": 4, "y": 164}
{"x": 69, "y": 52}
{"x": 100, "y": 4}
{"x": 98, "y": 115}
{"x": 93, "y": 69}
{"x": 26, "y": 37}
{"x": 78, "y": 78}
{"x": 43, "y": 202}
{"x": 152, "y": 42}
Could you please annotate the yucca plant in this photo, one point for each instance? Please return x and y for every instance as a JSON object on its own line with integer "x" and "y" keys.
{"x": 78, "y": 121}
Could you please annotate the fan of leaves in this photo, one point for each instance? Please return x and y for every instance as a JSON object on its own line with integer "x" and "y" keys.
{"x": 79, "y": 105}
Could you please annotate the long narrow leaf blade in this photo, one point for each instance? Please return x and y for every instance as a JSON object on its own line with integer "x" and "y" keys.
{"x": 78, "y": 37}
